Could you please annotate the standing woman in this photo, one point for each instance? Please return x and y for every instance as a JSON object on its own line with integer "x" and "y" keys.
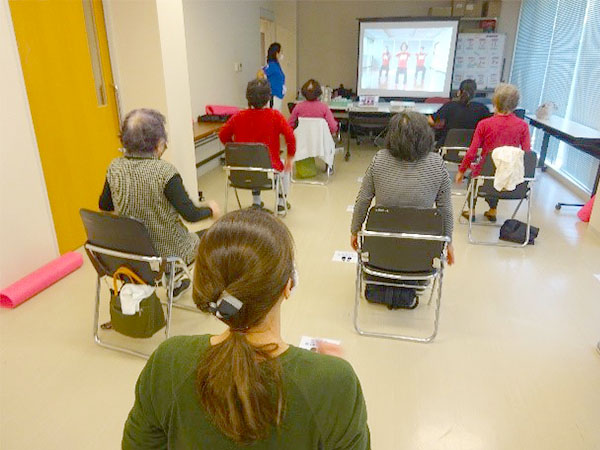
{"x": 275, "y": 75}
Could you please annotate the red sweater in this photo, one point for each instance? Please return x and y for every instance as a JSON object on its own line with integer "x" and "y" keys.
{"x": 496, "y": 131}
{"x": 263, "y": 126}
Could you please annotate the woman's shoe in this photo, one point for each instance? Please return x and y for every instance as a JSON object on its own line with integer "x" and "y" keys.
{"x": 491, "y": 215}
{"x": 465, "y": 214}
{"x": 281, "y": 208}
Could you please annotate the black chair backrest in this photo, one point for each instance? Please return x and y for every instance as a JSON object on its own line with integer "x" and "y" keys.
{"x": 458, "y": 137}
{"x": 369, "y": 120}
{"x": 119, "y": 233}
{"x": 403, "y": 255}
{"x": 248, "y": 155}
{"x": 489, "y": 169}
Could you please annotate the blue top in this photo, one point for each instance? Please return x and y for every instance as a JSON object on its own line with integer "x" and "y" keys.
{"x": 276, "y": 78}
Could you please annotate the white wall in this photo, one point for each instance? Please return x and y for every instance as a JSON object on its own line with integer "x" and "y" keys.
{"x": 221, "y": 33}
{"x": 148, "y": 52}
{"x": 27, "y": 236}
{"x": 328, "y": 33}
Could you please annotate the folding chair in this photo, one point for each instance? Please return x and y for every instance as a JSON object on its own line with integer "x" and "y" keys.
{"x": 455, "y": 146}
{"x": 401, "y": 247}
{"x": 365, "y": 123}
{"x": 115, "y": 241}
{"x": 248, "y": 166}
{"x": 313, "y": 139}
{"x": 482, "y": 186}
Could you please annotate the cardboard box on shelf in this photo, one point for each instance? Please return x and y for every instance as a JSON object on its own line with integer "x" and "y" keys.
{"x": 473, "y": 9}
{"x": 492, "y": 8}
{"x": 440, "y": 11}
{"x": 458, "y": 8}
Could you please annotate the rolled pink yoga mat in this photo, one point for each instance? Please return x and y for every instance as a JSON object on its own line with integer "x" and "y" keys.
{"x": 37, "y": 281}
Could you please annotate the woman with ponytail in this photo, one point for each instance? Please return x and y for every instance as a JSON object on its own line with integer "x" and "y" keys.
{"x": 461, "y": 112}
{"x": 246, "y": 386}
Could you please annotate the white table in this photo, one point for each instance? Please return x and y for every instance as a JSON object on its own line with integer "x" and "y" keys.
{"x": 583, "y": 138}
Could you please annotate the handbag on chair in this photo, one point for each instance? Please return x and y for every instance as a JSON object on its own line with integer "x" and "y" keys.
{"x": 144, "y": 323}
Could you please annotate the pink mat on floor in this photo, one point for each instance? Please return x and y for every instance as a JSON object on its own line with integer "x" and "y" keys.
{"x": 37, "y": 281}
{"x": 221, "y": 110}
{"x": 585, "y": 212}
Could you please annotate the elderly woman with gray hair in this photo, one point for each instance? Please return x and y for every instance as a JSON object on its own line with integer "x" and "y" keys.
{"x": 406, "y": 173}
{"x": 503, "y": 128}
{"x": 142, "y": 186}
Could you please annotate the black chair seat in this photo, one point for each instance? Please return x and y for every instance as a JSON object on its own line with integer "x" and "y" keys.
{"x": 453, "y": 156}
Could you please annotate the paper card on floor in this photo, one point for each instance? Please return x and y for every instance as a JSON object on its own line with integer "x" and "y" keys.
{"x": 359, "y": 179}
{"x": 310, "y": 343}
{"x": 350, "y": 208}
{"x": 597, "y": 275}
{"x": 343, "y": 256}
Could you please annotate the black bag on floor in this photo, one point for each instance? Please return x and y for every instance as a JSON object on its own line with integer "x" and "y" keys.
{"x": 393, "y": 297}
{"x": 513, "y": 230}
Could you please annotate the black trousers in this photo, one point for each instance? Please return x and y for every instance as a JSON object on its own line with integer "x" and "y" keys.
{"x": 386, "y": 69}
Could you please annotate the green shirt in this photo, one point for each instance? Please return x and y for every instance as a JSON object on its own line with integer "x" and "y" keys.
{"x": 325, "y": 408}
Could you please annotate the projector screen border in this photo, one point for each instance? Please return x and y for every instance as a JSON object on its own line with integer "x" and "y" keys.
{"x": 361, "y": 20}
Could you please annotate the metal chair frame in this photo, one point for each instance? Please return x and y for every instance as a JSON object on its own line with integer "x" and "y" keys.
{"x": 473, "y": 192}
{"x": 444, "y": 150}
{"x": 434, "y": 280}
{"x": 166, "y": 275}
{"x": 275, "y": 185}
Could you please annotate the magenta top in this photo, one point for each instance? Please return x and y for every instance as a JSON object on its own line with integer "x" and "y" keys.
{"x": 313, "y": 109}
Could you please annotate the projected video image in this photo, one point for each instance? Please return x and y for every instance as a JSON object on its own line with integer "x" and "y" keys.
{"x": 405, "y": 59}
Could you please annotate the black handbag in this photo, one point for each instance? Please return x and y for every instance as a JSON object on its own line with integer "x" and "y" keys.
{"x": 513, "y": 230}
{"x": 143, "y": 324}
{"x": 393, "y": 297}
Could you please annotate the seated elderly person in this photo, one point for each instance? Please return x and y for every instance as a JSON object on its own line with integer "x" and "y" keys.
{"x": 504, "y": 128}
{"x": 142, "y": 186}
{"x": 406, "y": 173}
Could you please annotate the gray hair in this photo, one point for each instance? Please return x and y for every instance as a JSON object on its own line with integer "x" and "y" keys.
{"x": 506, "y": 97}
{"x": 409, "y": 136}
{"x": 142, "y": 131}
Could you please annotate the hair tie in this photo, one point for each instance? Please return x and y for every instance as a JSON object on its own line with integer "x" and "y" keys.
{"x": 226, "y": 307}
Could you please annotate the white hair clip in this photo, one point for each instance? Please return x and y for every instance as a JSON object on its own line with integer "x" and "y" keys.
{"x": 226, "y": 307}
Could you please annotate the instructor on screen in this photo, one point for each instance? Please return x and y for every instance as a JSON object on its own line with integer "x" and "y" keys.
{"x": 402, "y": 56}
{"x": 385, "y": 63}
{"x": 421, "y": 56}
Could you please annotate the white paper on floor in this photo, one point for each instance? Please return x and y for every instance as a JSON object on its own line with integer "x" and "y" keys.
{"x": 359, "y": 179}
{"x": 310, "y": 343}
{"x": 343, "y": 256}
{"x": 597, "y": 275}
{"x": 350, "y": 208}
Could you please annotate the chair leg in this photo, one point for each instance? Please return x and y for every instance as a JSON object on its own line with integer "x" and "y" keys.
{"x": 97, "y": 311}
{"x": 226, "y": 191}
{"x": 170, "y": 288}
{"x": 237, "y": 196}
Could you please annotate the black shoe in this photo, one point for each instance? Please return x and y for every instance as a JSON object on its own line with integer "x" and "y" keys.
{"x": 180, "y": 288}
{"x": 281, "y": 208}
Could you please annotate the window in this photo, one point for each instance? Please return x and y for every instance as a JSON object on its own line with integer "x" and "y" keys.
{"x": 557, "y": 58}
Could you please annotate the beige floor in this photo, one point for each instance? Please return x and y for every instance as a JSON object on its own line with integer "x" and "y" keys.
{"x": 514, "y": 365}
